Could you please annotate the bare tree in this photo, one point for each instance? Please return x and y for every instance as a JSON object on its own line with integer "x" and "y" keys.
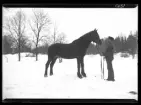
{"x": 15, "y": 26}
{"x": 61, "y": 38}
{"x": 55, "y": 34}
{"x": 40, "y": 22}
{"x": 25, "y": 43}
{"x": 58, "y": 37}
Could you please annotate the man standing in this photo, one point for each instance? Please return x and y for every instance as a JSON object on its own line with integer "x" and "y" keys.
{"x": 107, "y": 49}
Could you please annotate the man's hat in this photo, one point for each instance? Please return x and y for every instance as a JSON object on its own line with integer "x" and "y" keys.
{"x": 111, "y": 38}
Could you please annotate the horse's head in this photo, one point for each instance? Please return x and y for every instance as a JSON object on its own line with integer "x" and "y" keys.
{"x": 95, "y": 37}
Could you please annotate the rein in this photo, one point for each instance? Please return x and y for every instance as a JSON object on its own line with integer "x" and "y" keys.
{"x": 102, "y": 69}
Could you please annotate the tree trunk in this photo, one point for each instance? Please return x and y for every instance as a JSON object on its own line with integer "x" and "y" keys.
{"x": 36, "y": 53}
{"x": 19, "y": 55}
{"x": 36, "y": 56}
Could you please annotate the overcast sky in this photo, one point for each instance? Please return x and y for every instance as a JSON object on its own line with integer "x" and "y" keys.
{"x": 75, "y": 22}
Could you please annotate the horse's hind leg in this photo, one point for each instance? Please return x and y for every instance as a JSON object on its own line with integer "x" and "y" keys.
{"x": 82, "y": 67}
{"x": 78, "y": 67}
{"x": 51, "y": 65}
{"x": 46, "y": 66}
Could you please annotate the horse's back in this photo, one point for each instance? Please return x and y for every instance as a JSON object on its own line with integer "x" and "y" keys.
{"x": 54, "y": 47}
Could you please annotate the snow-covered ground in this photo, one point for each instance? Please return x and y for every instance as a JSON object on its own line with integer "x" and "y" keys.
{"x": 25, "y": 79}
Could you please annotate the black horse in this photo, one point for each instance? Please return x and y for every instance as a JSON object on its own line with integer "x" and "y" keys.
{"x": 76, "y": 49}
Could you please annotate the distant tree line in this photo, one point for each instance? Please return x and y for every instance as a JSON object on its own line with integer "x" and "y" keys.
{"x": 9, "y": 46}
{"x": 122, "y": 44}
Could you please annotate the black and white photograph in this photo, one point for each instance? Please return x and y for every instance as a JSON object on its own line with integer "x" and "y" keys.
{"x": 70, "y": 53}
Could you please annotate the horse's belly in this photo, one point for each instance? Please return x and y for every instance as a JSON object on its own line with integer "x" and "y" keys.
{"x": 68, "y": 54}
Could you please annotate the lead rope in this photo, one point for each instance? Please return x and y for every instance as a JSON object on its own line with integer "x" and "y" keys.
{"x": 102, "y": 68}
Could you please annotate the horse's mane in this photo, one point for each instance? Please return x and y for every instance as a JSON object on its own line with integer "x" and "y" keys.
{"x": 83, "y": 37}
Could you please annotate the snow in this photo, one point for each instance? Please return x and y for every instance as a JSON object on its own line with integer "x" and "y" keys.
{"x": 25, "y": 79}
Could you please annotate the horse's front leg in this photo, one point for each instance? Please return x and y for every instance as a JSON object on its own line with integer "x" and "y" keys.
{"x": 78, "y": 67}
{"x": 82, "y": 67}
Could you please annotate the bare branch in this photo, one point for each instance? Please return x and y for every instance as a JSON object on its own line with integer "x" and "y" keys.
{"x": 16, "y": 31}
{"x": 34, "y": 41}
{"x": 36, "y": 19}
{"x": 33, "y": 29}
{"x": 23, "y": 29}
{"x": 15, "y": 21}
{"x": 8, "y": 28}
{"x": 41, "y": 38}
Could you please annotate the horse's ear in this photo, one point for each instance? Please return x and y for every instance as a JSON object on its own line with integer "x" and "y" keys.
{"x": 95, "y": 29}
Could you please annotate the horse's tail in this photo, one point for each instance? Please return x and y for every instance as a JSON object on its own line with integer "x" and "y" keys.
{"x": 48, "y": 52}
{"x": 52, "y": 50}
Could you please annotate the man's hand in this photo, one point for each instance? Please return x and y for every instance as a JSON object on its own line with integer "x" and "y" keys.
{"x": 103, "y": 54}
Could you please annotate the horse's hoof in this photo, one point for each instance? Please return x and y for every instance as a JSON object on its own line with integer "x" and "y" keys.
{"x": 51, "y": 74}
{"x": 110, "y": 80}
{"x": 84, "y": 75}
{"x": 79, "y": 76}
{"x": 45, "y": 75}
